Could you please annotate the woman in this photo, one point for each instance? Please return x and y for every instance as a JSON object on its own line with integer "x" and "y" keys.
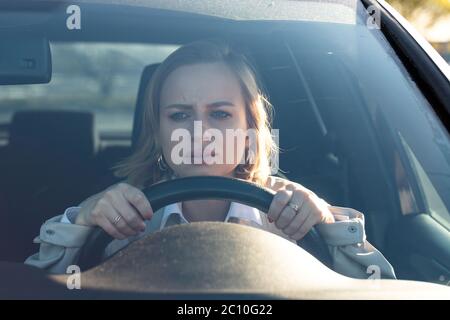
{"x": 205, "y": 85}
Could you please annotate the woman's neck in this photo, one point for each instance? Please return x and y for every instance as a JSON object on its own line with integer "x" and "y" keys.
{"x": 205, "y": 210}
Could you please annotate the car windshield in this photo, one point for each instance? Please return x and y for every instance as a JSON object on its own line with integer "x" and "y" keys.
{"x": 352, "y": 124}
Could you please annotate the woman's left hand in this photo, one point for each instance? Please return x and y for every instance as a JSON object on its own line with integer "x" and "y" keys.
{"x": 296, "y": 209}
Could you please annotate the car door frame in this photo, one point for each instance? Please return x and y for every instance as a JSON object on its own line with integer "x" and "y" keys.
{"x": 418, "y": 245}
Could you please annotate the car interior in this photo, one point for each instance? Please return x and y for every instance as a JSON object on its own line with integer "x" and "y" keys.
{"x": 48, "y": 149}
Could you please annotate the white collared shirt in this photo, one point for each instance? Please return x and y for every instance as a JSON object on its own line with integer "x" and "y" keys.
{"x": 237, "y": 210}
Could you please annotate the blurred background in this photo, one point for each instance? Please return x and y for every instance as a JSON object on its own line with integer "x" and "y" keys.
{"x": 431, "y": 18}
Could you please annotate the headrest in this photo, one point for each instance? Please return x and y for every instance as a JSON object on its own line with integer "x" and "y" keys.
{"x": 146, "y": 76}
{"x": 68, "y": 133}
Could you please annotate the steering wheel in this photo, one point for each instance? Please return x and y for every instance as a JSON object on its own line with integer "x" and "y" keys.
{"x": 196, "y": 188}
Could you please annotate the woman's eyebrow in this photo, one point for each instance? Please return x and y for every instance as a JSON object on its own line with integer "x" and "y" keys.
{"x": 210, "y": 105}
{"x": 179, "y": 106}
{"x": 220, "y": 104}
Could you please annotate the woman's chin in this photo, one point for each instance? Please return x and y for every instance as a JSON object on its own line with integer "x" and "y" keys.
{"x": 203, "y": 170}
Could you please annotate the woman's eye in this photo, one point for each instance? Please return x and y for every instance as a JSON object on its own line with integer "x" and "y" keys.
{"x": 179, "y": 116}
{"x": 220, "y": 115}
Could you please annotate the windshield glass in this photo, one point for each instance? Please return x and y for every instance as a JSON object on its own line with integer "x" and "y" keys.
{"x": 351, "y": 123}
{"x": 97, "y": 77}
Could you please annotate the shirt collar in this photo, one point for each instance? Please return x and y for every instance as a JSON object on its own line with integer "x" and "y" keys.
{"x": 237, "y": 210}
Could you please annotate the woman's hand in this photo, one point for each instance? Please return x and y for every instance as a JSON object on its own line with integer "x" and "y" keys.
{"x": 296, "y": 209}
{"x": 120, "y": 210}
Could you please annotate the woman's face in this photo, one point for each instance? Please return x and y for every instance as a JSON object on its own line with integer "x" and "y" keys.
{"x": 201, "y": 106}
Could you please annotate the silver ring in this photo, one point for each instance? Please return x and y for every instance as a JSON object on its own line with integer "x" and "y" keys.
{"x": 294, "y": 207}
{"x": 117, "y": 219}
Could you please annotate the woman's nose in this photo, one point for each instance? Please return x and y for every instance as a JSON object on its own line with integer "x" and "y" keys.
{"x": 201, "y": 129}
{"x": 198, "y": 128}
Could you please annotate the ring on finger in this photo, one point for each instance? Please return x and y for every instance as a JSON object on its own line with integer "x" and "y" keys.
{"x": 294, "y": 206}
{"x": 289, "y": 215}
{"x": 117, "y": 219}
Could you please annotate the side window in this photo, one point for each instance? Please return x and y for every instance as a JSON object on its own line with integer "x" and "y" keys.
{"x": 102, "y": 78}
{"x": 433, "y": 201}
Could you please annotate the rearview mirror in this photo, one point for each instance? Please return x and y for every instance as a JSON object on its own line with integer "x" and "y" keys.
{"x": 25, "y": 61}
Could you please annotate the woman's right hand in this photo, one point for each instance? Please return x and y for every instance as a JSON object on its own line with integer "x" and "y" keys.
{"x": 120, "y": 210}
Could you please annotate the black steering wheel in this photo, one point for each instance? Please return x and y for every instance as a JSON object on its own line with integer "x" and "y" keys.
{"x": 203, "y": 187}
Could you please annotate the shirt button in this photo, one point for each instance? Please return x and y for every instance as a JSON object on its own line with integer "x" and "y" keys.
{"x": 352, "y": 229}
{"x": 50, "y": 232}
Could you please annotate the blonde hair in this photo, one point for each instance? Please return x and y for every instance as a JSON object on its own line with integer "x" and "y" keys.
{"x": 141, "y": 167}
